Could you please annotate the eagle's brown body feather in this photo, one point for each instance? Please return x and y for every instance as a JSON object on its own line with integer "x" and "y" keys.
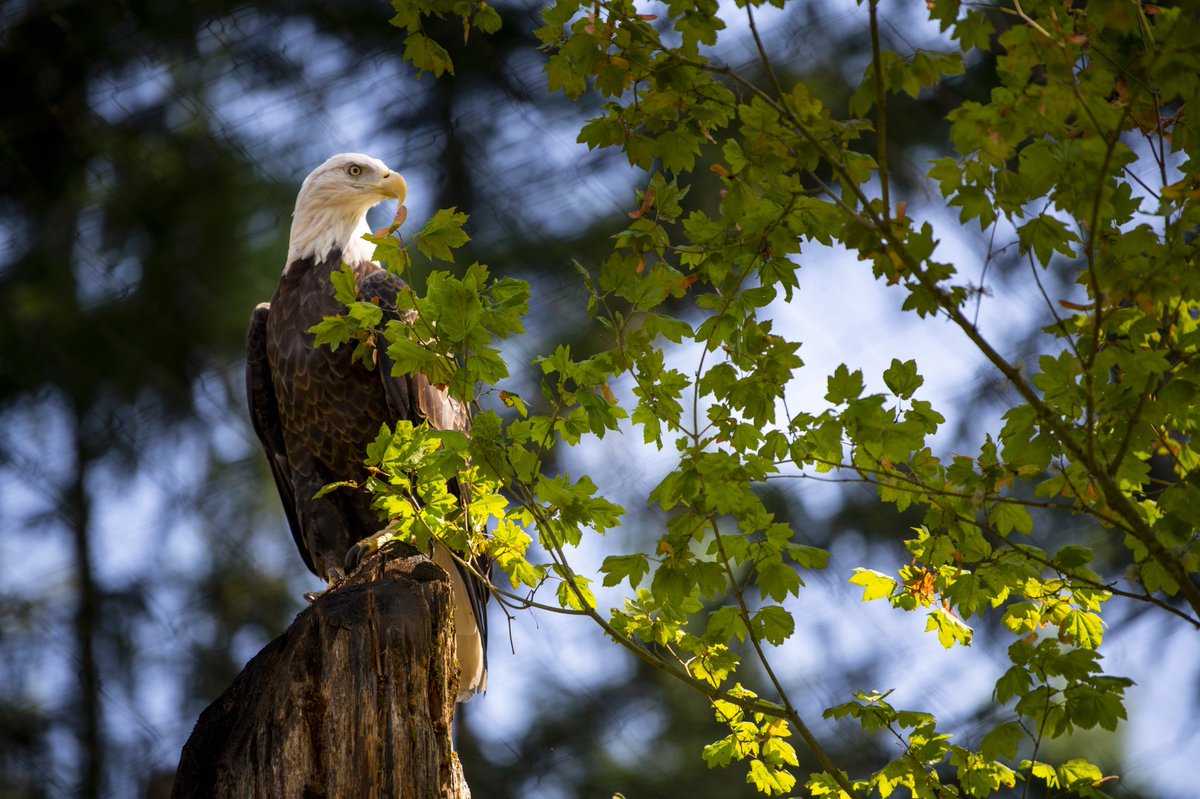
{"x": 329, "y": 408}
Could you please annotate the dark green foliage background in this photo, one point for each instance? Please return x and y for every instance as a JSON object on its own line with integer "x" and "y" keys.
{"x": 149, "y": 157}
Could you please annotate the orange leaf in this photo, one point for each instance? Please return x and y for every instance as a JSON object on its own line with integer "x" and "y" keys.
{"x": 647, "y": 201}
{"x": 922, "y": 586}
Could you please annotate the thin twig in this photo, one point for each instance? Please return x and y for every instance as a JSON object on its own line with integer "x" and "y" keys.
{"x": 762, "y": 52}
{"x": 880, "y": 110}
{"x": 1034, "y": 24}
{"x": 1037, "y": 278}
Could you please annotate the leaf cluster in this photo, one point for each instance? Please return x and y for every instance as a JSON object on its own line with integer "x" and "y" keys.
{"x": 1055, "y": 158}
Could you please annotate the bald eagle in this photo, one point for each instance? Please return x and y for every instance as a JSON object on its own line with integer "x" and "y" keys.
{"x": 315, "y": 410}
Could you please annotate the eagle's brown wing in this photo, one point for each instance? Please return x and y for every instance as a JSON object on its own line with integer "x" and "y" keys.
{"x": 264, "y": 415}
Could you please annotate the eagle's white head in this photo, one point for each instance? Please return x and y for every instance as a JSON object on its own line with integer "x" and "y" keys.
{"x": 331, "y": 208}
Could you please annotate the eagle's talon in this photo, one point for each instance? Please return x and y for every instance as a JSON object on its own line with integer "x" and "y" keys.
{"x": 356, "y": 553}
{"x": 367, "y": 546}
{"x": 336, "y": 575}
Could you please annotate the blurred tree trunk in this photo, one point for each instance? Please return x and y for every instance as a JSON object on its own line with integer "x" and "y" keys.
{"x": 356, "y": 698}
{"x": 78, "y": 510}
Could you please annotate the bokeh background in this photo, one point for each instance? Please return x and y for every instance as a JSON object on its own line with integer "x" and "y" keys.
{"x": 150, "y": 152}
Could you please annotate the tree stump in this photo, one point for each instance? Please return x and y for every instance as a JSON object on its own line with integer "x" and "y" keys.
{"x": 355, "y": 699}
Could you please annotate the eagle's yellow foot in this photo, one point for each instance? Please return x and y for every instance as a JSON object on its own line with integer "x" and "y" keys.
{"x": 370, "y": 544}
{"x": 336, "y": 575}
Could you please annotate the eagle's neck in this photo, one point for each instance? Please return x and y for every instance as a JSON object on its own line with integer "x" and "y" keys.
{"x": 320, "y": 230}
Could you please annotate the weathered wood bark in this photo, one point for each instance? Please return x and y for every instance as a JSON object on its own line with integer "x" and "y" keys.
{"x": 355, "y": 699}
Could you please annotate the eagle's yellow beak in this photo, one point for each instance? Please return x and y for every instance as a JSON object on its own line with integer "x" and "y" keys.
{"x": 392, "y": 185}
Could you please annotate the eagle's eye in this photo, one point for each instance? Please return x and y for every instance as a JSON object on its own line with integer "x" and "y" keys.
{"x": 354, "y": 170}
